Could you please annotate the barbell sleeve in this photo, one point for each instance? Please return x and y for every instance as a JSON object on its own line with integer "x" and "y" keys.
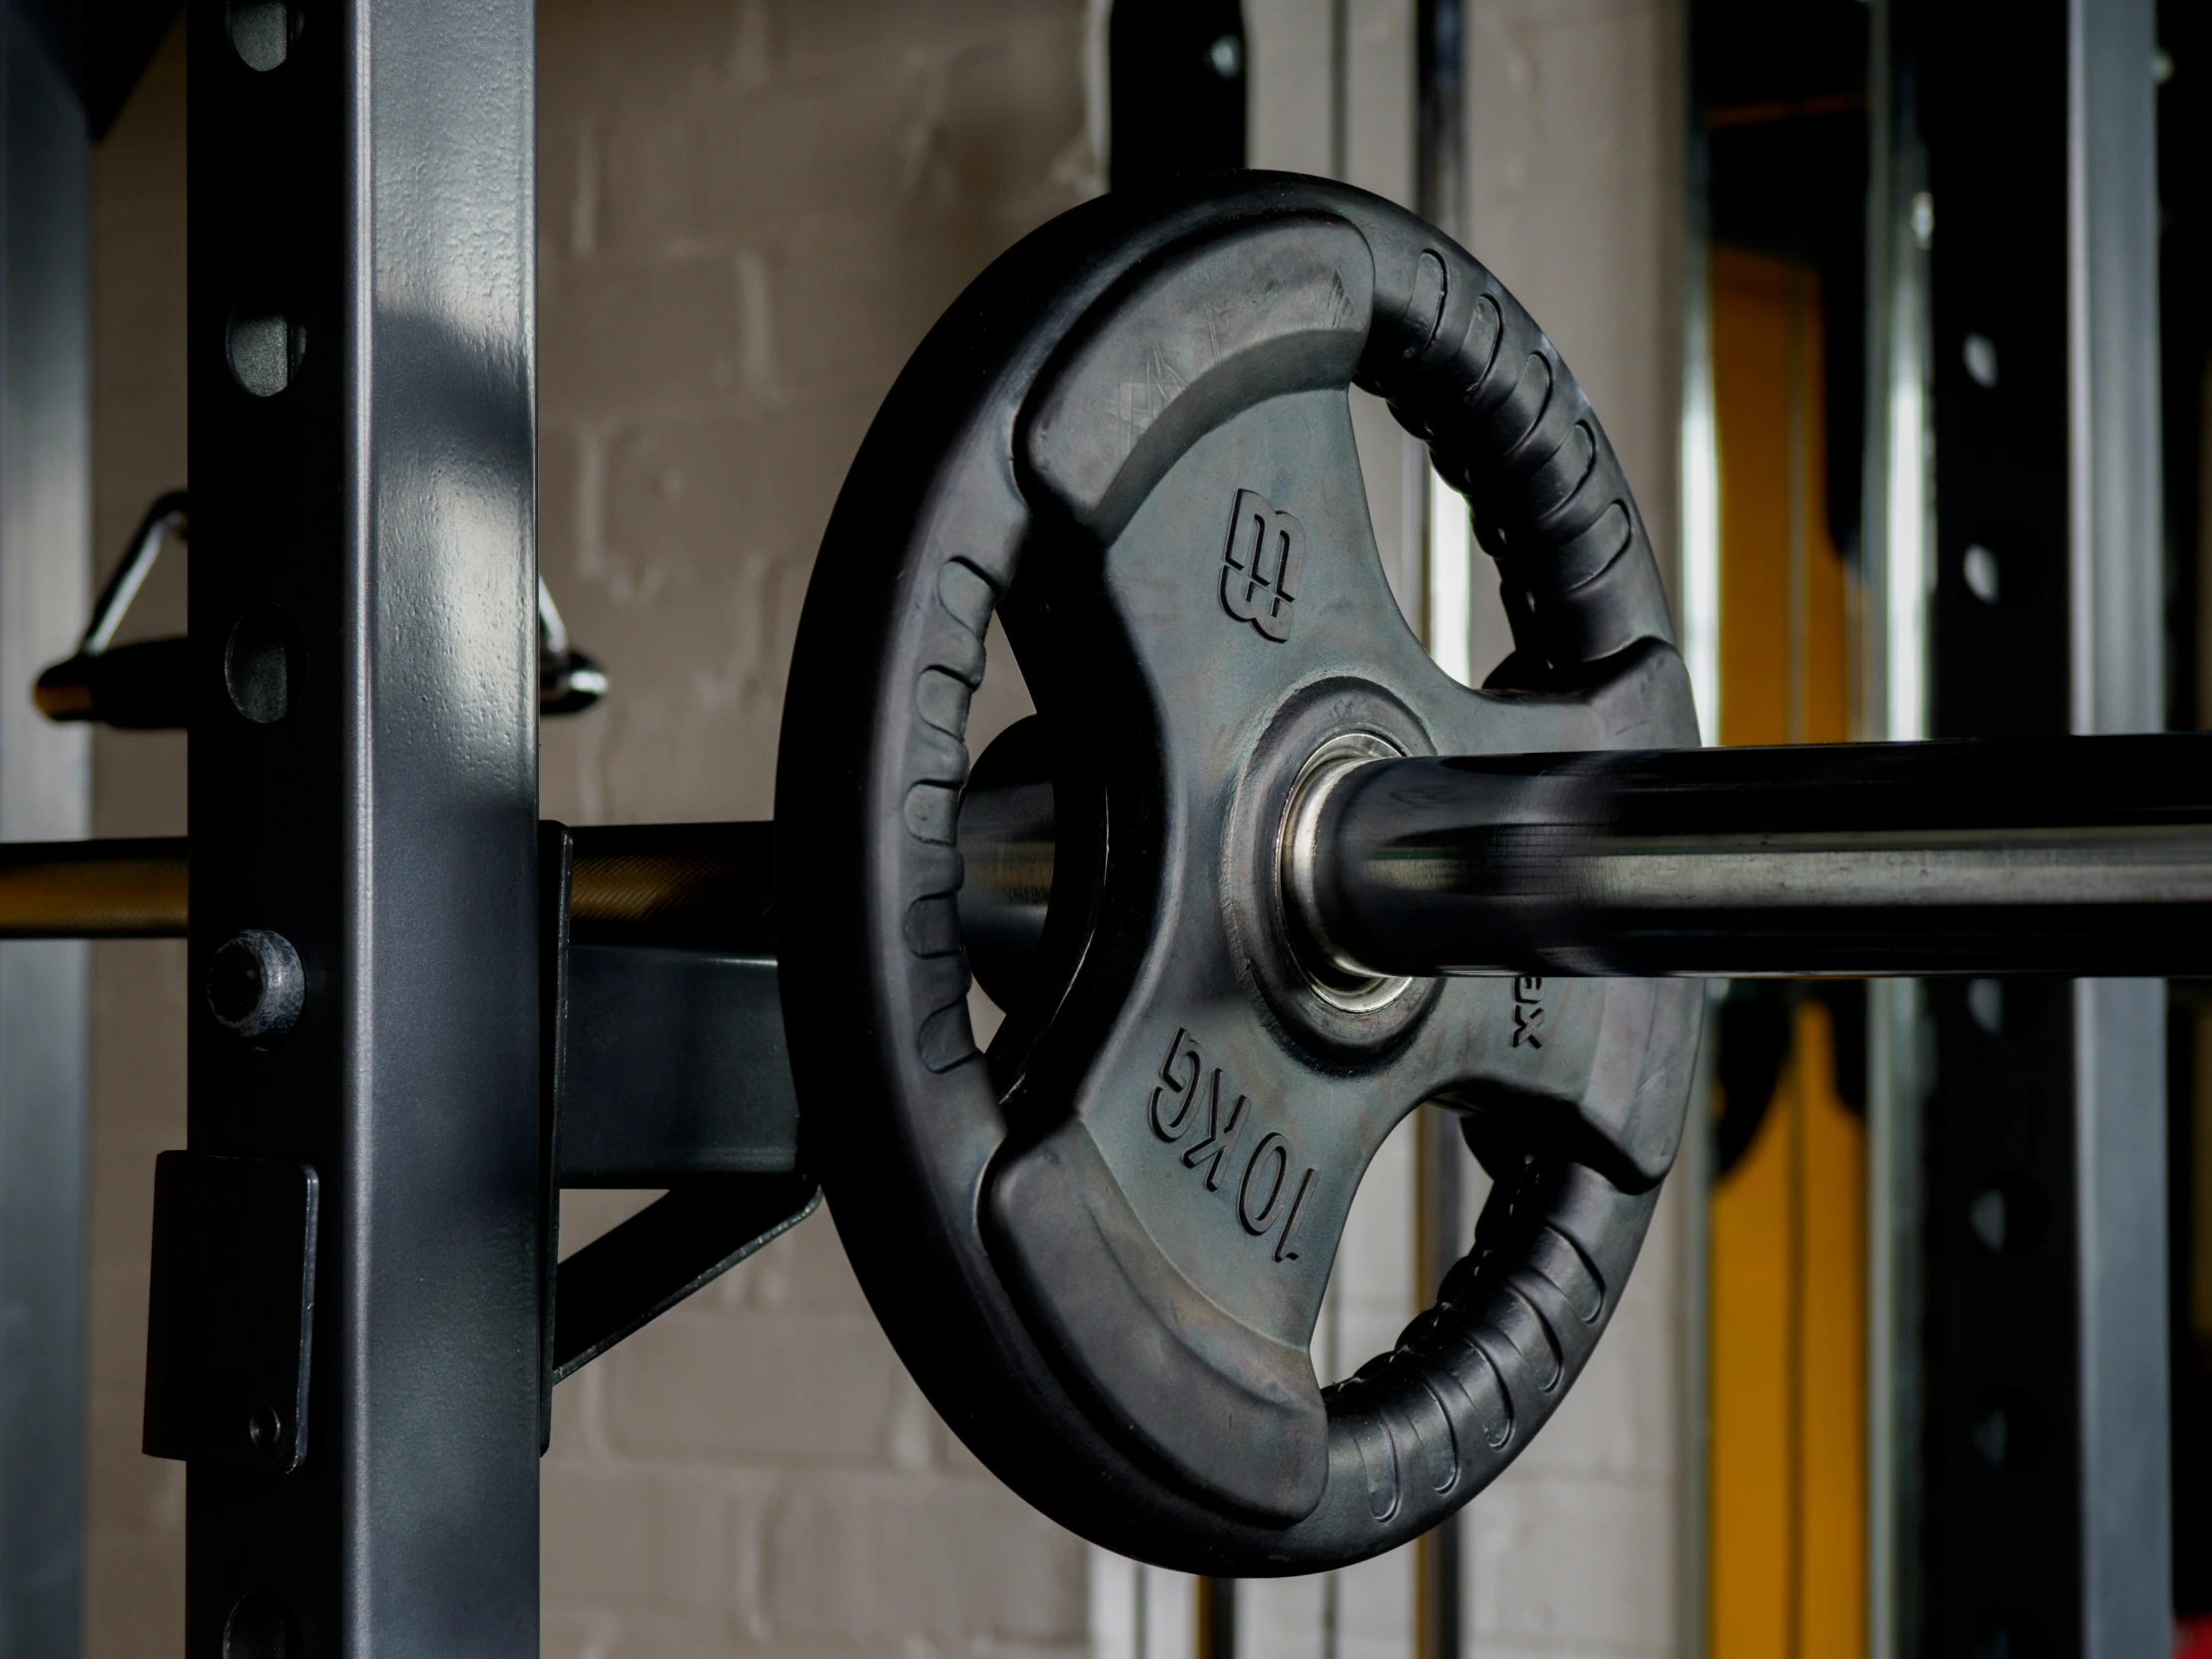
{"x": 2075, "y": 855}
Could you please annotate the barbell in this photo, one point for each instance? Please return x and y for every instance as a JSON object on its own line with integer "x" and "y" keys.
{"x": 1259, "y": 879}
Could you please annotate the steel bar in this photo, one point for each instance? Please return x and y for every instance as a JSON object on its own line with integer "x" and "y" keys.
{"x": 2071, "y": 856}
{"x": 2117, "y": 606}
{"x": 2065, "y": 855}
{"x": 106, "y": 889}
{"x": 698, "y": 886}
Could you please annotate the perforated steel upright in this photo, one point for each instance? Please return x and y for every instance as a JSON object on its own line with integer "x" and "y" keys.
{"x": 364, "y": 782}
{"x": 2045, "y": 1505}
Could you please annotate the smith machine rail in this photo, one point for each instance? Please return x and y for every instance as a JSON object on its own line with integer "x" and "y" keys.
{"x": 1257, "y": 880}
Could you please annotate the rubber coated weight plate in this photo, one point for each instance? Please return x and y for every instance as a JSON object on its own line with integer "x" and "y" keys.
{"x": 1102, "y": 1248}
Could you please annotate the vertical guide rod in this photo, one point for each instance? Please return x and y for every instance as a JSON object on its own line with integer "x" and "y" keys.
{"x": 1441, "y": 1158}
{"x": 45, "y": 792}
{"x": 2118, "y": 686}
{"x": 363, "y": 781}
{"x": 1896, "y": 533}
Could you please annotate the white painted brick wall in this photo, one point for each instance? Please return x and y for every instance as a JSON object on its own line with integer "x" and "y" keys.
{"x": 750, "y": 215}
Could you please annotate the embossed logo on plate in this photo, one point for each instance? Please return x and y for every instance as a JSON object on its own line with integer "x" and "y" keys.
{"x": 1528, "y": 1012}
{"x": 1262, "y": 565}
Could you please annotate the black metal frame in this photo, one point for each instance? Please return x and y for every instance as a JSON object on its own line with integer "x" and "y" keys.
{"x": 2045, "y": 1516}
{"x": 1998, "y": 1534}
{"x": 364, "y": 778}
{"x": 669, "y": 1071}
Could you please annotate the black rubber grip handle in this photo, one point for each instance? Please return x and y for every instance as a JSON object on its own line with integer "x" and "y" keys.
{"x": 1468, "y": 371}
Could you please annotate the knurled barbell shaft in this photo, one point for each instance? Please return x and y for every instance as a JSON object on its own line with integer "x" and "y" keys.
{"x": 2078, "y": 856}
{"x": 704, "y": 885}
{"x": 708, "y": 886}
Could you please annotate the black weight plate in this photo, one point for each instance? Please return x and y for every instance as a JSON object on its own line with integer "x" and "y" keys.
{"x": 1102, "y": 1250}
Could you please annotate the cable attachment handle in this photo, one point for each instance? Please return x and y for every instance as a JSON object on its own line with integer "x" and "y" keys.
{"x": 142, "y": 686}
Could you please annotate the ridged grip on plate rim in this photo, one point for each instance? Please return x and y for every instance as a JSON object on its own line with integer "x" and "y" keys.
{"x": 900, "y": 1115}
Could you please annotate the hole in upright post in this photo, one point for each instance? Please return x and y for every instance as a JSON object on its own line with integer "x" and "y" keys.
{"x": 262, "y": 663}
{"x": 262, "y": 32}
{"x": 260, "y": 1626}
{"x": 265, "y": 347}
{"x": 256, "y": 987}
